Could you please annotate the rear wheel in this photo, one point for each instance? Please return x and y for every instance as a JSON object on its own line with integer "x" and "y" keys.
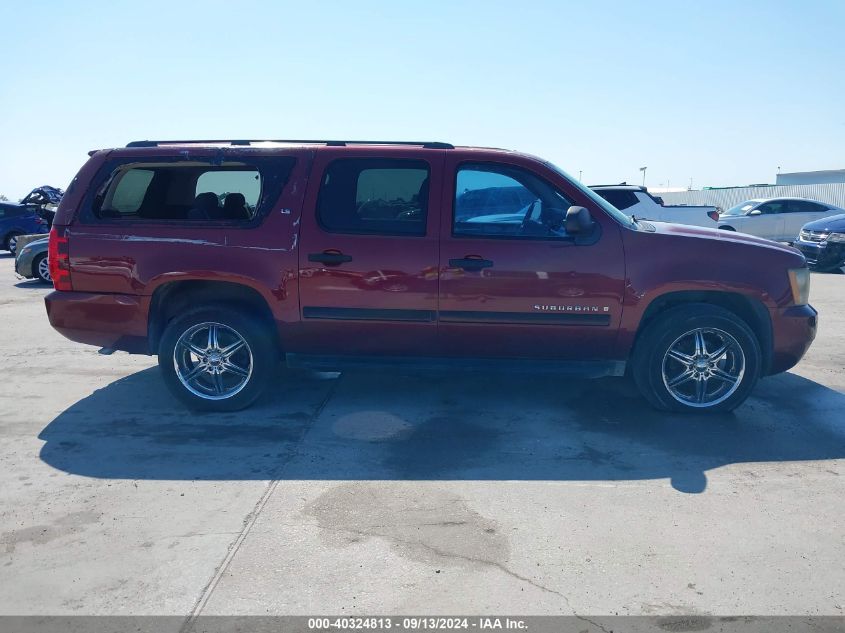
{"x": 217, "y": 358}
{"x": 41, "y": 268}
{"x": 697, "y": 357}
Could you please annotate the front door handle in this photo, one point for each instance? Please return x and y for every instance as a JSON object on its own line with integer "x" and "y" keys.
{"x": 330, "y": 258}
{"x": 470, "y": 263}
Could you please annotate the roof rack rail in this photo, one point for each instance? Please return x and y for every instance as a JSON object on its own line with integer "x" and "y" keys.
{"x": 424, "y": 144}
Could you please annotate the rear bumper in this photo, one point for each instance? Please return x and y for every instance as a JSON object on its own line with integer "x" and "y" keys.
{"x": 793, "y": 331}
{"x": 104, "y": 320}
{"x": 822, "y": 254}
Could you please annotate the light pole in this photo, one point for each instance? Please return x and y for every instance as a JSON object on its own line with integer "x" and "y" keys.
{"x": 579, "y": 174}
{"x": 642, "y": 169}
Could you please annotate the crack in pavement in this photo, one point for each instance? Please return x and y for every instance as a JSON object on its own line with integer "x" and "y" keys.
{"x": 444, "y": 554}
{"x": 252, "y": 517}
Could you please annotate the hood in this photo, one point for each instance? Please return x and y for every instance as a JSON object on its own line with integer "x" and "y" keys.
{"x": 41, "y": 244}
{"x": 721, "y": 235}
{"x": 833, "y": 223}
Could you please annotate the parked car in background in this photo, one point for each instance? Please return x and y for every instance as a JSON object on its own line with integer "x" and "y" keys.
{"x": 33, "y": 214}
{"x": 778, "y": 219}
{"x": 352, "y": 253}
{"x": 31, "y": 260}
{"x": 823, "y": 243}
{"x": 637, "y": 201}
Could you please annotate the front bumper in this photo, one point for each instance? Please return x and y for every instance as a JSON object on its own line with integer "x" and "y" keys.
{"x": 793, "y": 331}
{"x": 23, "y": 264}
{"x": 105, "y": 320}
{"x": 822, "y": 254}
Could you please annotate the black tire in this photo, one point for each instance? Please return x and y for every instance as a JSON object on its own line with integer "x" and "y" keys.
{"x": 36, "y": 269}
{"x": 7, "y": 243}
{"x": 836, "y": 270}
{"x": 260, "y": 344}
{"x": 650, "y": 357}
{"x": 728, "y": 228}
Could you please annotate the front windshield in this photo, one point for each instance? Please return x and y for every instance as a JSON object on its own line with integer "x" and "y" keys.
{"x": 612, "y": 211}
{"x": 740, "y": 209}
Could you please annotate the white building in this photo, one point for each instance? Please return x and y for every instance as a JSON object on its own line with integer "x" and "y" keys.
{"x": 822, "y": 177}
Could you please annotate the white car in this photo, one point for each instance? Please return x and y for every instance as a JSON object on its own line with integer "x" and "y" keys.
{"x": 778, "y": 219}
{"x": 637, "y": 201}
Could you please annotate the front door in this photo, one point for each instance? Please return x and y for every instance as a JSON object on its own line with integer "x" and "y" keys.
{"x": 368, "y": 253}
{"x": 770, "y": 223}
{"x": 513, "y": 283}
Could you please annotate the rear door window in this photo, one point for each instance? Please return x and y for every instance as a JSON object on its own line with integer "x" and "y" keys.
{"x": 374, "y": 196}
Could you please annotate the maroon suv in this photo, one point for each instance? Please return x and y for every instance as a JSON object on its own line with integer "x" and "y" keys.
{"x": 224, "y": 257}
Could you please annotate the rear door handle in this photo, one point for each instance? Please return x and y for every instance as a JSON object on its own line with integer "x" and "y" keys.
{"x": 470, "y": 263}
{"x": 329, "y": 258}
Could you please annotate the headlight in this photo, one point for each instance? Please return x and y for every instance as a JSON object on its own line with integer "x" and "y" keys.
{"x": 799, "y": 281}
{"x": 836, "y": 237}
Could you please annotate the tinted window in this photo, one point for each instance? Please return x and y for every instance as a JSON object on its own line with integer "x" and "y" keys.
{"x": 189, "y": 191}
{"x": 620, "y": 199}
{"x": 380, "y": 196}
{"x": 770, "y": 208}
{"x": 129, "y": 191}
{"x": 503, "y": 201}
{"x": 805, "y": 206}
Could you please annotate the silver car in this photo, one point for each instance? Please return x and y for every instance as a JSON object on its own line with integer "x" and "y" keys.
{"x": 778, "y": 219}
{"x": 31, "y": 261}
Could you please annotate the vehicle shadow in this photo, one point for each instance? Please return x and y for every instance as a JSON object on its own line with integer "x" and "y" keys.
{"x": 32, "y": 284}
{"x": 372, "y": 425}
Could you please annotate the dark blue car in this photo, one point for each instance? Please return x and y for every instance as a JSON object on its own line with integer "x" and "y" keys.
{"x": 30, "y": 215}
{"x": 823, "y": 243}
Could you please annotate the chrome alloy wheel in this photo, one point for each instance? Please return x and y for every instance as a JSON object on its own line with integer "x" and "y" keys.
{"x": 44, "y": 269}
{"x": 212, "y": 361}
{"x": 703, "y": 367}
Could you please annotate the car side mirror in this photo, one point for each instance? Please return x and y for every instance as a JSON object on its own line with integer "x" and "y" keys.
{"x": 578, "y": 221}
{"x": 755, "y": 212}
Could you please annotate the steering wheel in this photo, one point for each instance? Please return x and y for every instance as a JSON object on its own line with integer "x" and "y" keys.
{"x": 527, "y": 217}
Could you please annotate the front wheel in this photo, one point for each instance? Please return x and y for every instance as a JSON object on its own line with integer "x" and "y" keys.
{"x": 41, "y": 268}
{"x": 697, "y": 357}
{"x": 217, "y": 358}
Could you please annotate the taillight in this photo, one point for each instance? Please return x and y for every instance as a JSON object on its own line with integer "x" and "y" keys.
{"x": 714, "y": 215}
{"x": 58, "y": 258}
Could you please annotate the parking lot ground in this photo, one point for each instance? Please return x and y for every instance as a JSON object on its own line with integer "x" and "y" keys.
{"x": 403, "y": 492}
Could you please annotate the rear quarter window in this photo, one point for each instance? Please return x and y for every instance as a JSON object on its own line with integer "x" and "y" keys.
{"x": 183, "y": 191}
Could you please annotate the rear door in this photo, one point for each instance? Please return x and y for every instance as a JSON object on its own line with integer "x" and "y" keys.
{"x": 800, "y": 212}
{"x": 368, "y": 252}
{"x": 513, "y": 284}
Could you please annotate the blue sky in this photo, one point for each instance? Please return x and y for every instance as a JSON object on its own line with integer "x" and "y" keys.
{"x": 721, "y": 92}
